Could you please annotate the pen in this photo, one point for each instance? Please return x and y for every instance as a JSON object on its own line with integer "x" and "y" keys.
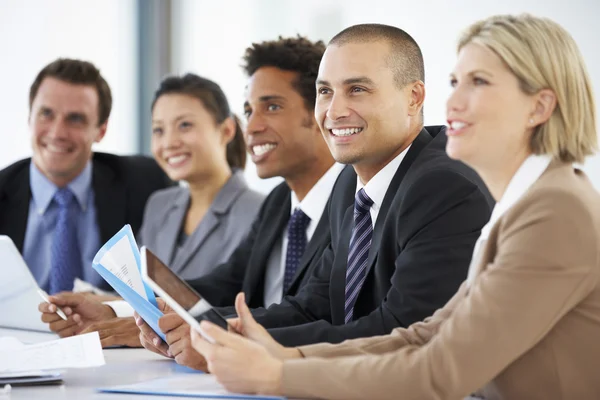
{"x": 44, "y": 296}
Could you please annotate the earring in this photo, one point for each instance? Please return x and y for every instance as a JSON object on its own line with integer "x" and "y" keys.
{"x": 531, "y": 121}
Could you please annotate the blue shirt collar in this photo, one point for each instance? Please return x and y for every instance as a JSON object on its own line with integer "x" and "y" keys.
{"x": 43, "y": 190}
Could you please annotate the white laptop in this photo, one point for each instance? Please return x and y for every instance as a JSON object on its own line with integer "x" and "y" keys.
{"x": 19, "y": 295}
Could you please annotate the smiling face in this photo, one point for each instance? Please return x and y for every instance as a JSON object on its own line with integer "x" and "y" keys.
{"x": 64, "y": 125}
{"x": 364, "y": 116}
{"x": 186, "y": 141}
{"x": 281, "y": 135}
{"x": 488, "y": 113}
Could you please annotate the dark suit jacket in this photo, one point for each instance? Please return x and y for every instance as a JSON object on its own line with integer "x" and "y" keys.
{"x": 423, "y": 239}
{"x": 122, "y": 184}
{"x": 245, "y": 270}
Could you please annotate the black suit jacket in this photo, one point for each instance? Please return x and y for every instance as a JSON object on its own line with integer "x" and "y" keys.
{"x": 122, "y": 184}
{"x": 245, "y": 270}
{"x": 423, "y": 239}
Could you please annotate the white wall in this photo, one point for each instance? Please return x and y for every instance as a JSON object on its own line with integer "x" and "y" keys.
{"x": 35, "y": 32}
{"x": 212, "y": 37}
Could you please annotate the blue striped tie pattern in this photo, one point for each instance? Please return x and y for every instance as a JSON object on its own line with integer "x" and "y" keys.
{"x": 296, "y": 245}
{"x": 360, "y": 243}
{"x": 66, "y": 257}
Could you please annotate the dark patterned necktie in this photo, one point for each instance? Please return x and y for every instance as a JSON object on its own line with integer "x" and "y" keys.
{"x": 296, "y": 245}
{"x": 360, "y": 243}
{"x": 65, "y": 255}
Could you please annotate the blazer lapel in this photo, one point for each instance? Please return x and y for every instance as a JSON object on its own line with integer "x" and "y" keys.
{"x": 272, "y": 227}
{"x": 110, "y": 199}
{"x": 220, "y": 207}
{"x": 208, "y": 224}
{"x": 15, "y": 207}
{"x": 415, "y": 149}
{"x": 171, "y": 226}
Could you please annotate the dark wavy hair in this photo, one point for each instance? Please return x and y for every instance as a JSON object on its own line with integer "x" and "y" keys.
{"x": 296, "y": 54}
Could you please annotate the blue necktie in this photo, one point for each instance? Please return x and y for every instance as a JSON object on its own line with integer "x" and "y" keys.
{"x": 66, "y": 257}
{"x": 360, "y": 243}
{"x": 296, "y": 245}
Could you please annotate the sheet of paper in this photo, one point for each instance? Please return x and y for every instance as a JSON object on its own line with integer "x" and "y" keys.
{"x": 120, "y": 260}
{"x": 10, "y": 343}
{"x": 191, "y": 384}
{"x": 75, "y": 352}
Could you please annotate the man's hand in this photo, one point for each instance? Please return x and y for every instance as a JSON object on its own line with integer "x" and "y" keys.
{"x": 247, "y": 326}
{"x": 178, "y": 337}
{"x": 242, "y": 366}
{"x": 81, "y": 310}
{"x": 116, "y": 332}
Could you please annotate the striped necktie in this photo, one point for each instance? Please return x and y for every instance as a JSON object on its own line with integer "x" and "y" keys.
{"x": 360, "y": 243}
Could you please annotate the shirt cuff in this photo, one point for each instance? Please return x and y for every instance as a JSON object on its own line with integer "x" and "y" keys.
{"x": 121, "y": 308}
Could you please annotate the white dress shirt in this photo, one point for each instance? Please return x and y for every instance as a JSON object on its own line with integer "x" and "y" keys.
{"x": 377, "y": 187}
{"x": 313, "y": 206}
{"x": 528, "y": 173}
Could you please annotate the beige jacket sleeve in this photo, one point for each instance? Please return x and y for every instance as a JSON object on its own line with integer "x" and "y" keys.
{"x": 542, "y": 269}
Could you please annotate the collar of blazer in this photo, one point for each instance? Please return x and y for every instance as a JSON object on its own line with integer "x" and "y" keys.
{"x": 486, "y": 243}
{"x": 225, "y": 199}
{"x": 418, "y": 144}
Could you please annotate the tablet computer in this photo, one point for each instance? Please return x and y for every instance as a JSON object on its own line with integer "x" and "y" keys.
{"x": 180, "y": 296}
{"x": 19, "y": 291}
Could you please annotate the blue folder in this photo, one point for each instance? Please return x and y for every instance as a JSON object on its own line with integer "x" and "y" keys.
{"x": 166, "y": 387}
{"x": 146, "y": 308}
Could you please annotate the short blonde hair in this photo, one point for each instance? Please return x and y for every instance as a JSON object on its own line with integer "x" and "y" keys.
{"x": 542, "y": 55}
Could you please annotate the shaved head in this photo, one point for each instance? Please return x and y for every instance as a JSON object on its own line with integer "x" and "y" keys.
{"x": 405, "y": 58}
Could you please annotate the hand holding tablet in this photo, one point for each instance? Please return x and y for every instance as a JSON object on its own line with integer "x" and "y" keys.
{"x": 184, "y": 300}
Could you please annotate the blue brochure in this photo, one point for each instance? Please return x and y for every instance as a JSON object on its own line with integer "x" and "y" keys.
{"x": 118, "y": 262}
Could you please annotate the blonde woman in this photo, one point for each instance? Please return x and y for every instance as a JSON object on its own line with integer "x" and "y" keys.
{"x": 526, "y": 323}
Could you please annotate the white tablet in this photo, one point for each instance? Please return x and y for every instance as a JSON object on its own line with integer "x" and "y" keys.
{"x": 180, "y": 296}
{"x": 18, "y": 291}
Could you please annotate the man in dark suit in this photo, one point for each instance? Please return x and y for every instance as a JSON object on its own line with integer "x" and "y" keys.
{"x": 61, "y": 205}
{"x": 404, "y": 247}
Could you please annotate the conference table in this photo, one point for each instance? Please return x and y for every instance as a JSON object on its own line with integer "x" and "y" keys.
{"x": 123, "y": 366}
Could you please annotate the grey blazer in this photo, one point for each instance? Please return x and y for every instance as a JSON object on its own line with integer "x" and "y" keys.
{"x": 218, "y": 234}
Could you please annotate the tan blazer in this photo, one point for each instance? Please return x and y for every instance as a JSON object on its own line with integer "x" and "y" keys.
{"x": 528, "y": 327}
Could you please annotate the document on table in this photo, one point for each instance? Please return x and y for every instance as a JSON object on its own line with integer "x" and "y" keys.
{"x": 187, "y": 385}
{"x": 18, "y": 359}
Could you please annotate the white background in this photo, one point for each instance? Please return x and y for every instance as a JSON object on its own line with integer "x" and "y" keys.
{"x": 210, "y": 37}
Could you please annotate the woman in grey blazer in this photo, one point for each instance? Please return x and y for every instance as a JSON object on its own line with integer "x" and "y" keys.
{"x": 197, "y": 141}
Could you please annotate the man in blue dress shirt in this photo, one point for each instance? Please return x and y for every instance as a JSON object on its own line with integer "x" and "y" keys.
{"x": 61, "y": 205}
